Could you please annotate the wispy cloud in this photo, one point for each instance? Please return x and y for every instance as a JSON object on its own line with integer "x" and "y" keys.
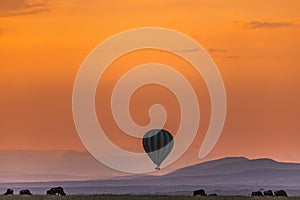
{"x": 187, "y": 50}
{"x": 216, "y": 50}
{"x": 266, "y": 24}
{"x": 22, "y": 7}
{"x": 231, "y": 57}
{"x": 269, "y": 24}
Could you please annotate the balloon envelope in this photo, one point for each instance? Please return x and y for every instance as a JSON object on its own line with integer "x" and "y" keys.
{"x": 158, "y": 143}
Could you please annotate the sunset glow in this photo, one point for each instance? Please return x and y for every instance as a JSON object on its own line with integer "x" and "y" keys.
{"x": 256, "y": 46}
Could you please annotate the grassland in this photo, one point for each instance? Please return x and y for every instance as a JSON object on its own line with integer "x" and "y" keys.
{"x": 138, "y": 197}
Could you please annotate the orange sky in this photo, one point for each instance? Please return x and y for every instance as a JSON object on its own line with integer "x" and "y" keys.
{"x": 255, "y": 45}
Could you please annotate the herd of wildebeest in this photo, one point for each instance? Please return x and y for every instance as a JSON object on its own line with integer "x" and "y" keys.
{"x": 278, "y": 193}
{"x": 60, "y": 192}
{"x": 53, "y": 191}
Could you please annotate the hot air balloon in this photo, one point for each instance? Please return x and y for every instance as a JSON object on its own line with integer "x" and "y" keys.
{"x": 158, "y": 143}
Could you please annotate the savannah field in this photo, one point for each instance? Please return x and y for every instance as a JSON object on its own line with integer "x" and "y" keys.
{"x": 137, "y": 197}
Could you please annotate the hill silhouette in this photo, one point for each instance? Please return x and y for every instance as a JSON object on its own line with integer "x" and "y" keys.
{"x": 233, "y": 175}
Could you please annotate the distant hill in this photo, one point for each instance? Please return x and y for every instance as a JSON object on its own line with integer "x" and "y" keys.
{"x": 229, "y": 176}
{"x": 32, "y": 165}
{"x": 232, "y": 172}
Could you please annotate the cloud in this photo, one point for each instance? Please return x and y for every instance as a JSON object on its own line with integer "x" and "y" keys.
{"x": 196, "y": 49}
{"x": 22, "y": 7}
{"x": 266, "y": 24}
{"x": 269, "y": 24}
{"x": 232, "y": 57}
{"x": 216, "y": 50}
{"x": 187, "y": 50}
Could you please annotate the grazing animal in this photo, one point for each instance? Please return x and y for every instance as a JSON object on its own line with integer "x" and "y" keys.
{"x": 268, "y": 193}
{"x": 200, "y": 192}
{"x": 213, "y": 195}
{"x": 56, "y": 191}
{"x": 25, "y": 192}
{"x": 280, "y": 193}
{"x": 257, "y": 194}
{"x": 9, "y": 192}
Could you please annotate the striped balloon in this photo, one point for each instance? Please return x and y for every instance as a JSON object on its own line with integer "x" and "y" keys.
{"x": 158, "y": 143}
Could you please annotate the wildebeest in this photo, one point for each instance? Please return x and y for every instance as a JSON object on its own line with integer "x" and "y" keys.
{"x": 280, "y": 193}
{"x": 257, "y": 194}
{"x": 9, "y": 192}
{"x": 268, "y": 193}
{"x": 200, "y": 192}
{"x": 25, "y": 192}
{"x": 213, "y": 195}
{"x": 56, "y": 191}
